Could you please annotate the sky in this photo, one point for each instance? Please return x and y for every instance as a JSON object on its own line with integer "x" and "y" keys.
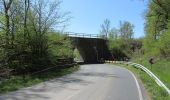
{"x": 88, "y": 15}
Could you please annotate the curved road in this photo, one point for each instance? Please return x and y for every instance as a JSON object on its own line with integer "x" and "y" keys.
{"x": 91, "y": 82}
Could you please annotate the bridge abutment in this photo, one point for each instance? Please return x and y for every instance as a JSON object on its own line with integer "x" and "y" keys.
{"x": 92, "y": 50}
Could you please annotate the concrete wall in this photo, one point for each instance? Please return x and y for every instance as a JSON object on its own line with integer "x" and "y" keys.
{"x": 92, "y": 50}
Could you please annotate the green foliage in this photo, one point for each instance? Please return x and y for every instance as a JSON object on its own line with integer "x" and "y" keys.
{"x": 17, "y": 82}
{"x": 156, "y": 42}
{"x": 27, "y": 43}
{"x": 154, "y": 91}
{"x": 165, "y": 43}
{"x": 160, "y": 68}
{"x": 59, "y": 46}
{"x": 117, "y": 49}
{"x": 120, "y": 41}
{"x": 77, "y": 55}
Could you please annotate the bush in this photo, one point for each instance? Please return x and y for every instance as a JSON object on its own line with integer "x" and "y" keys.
{"x": 59, "y": 47}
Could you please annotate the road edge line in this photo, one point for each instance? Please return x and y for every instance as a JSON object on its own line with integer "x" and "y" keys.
{"x": 137, "y": 84}
{"x": 138, "y": 87}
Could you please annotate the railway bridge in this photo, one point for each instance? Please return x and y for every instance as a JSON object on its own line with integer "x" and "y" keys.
{"x": 91, "y": 47}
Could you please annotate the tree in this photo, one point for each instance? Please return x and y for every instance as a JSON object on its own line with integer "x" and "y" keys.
{"x": 114, "y": 33}
{"x": 25, "y": 26}
{"x": 7, "y": 27}
{"x": 156, "y": 27}
{"x": 7, "y": 6}
{"x": 105, "y": 28}
{"x": 126, "y": 30}
{"x": 119, "y": 40}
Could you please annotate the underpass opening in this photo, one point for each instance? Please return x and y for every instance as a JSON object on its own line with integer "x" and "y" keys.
{"x": 91, "y": 50}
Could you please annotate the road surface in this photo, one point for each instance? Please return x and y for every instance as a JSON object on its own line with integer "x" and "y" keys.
{"x": 91, "y": 82}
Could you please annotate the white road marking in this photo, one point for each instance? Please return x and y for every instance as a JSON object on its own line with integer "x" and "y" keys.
{"x": 138, "y": 87}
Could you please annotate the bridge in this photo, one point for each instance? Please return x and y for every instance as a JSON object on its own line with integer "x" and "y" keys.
{"x": 92, "y": 47}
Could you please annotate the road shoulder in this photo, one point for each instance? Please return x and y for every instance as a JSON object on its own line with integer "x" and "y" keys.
{"x": 144, "y": 92}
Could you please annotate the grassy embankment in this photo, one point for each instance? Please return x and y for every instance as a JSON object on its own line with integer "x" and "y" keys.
{"x": 17, "y": 82}
{"x": 155, "y": 92}
{"x": 161, "y": 68}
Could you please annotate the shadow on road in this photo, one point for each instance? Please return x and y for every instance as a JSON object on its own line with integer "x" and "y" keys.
{"x": 45, "y": 90}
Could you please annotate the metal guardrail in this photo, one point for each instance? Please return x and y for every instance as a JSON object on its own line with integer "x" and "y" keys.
{"x": 84, "y": 35}
{"x": 157, "y": 80}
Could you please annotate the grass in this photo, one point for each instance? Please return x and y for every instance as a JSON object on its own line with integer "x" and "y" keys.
{"x": 155, "y": 92}
{"x": 17, "y": 82}
{"x": 161, "y": 68}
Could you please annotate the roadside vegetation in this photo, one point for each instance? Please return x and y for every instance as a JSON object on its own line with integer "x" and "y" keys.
{"x": 154, "y": 91}
{"x": 17, "y": 82}
{"x": 31, "y": 41}
{"x": 154, "y": 45}
{"x": 121, "y": 41}
{"x": 161, "y": 68}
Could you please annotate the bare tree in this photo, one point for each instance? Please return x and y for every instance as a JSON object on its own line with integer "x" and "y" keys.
{"x": 43, "y": 16}
{"x": 46, "y": 14}
{"x": 26, "y": 10}
{"x": 6, "y": 7}
{"x": 105, "y": 28}
{"x": 126, "y": 30}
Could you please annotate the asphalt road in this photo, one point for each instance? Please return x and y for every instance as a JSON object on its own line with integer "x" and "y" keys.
{"x": 91, "y": 82}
